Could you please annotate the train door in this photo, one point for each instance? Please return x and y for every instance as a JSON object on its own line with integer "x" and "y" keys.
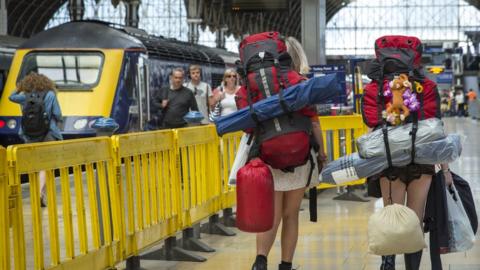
{"x": 143, "y": 91}
{"x": 137, "y": 85}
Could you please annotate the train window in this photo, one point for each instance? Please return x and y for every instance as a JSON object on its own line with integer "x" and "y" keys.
{"x": 69, "y": 70}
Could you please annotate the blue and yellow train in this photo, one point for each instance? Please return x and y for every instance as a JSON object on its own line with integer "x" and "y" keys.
{"x": 103, "y": 70}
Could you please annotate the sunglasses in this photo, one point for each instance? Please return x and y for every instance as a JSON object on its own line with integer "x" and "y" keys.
{"x": 230, "y": 76}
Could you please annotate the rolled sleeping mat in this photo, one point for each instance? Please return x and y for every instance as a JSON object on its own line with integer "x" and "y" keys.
{"x": 353, "y": 167}
{"x": 399, "y": 138}
{"x": 313, "y": 91}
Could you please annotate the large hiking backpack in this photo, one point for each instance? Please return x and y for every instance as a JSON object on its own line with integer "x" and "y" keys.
{"x": 265, "y": 65}
{"x": 396, "y": 55}
{"x": 35, "y": 122}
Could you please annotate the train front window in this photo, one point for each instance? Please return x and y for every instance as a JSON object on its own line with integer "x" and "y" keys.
{"x": 69, "y": 70}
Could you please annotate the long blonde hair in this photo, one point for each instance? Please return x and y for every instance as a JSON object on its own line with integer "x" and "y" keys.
{"x": 299, "y": 59}
{"x": 229, "y": 71}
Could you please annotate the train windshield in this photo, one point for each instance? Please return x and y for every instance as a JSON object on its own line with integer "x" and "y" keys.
{"x": 68, "y": 70}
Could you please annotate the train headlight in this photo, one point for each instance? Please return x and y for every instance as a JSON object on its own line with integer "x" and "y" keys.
{"x": 80, "y": 124}
{"x": 12, "y": 123}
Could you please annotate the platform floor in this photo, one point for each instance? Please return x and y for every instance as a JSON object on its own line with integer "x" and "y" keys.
{"x": 339, "y": 239}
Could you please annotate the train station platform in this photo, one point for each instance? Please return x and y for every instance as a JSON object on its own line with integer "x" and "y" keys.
{"x": 337, "y": 241}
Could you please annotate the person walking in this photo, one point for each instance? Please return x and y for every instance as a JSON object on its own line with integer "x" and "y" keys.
{"x": 41, "y": 115}
{"x": 289, "y": 186}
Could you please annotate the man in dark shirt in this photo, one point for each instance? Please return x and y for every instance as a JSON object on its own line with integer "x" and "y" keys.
{"x": 176, "y": 101}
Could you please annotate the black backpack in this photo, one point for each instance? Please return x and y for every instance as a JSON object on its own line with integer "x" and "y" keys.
{"x": 35, "y": 122}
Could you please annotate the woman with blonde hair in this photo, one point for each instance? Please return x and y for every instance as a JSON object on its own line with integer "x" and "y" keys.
{"x": 290, "y": 186}
{"x": 32, "y": 88}
{"x": 225, "y": 93}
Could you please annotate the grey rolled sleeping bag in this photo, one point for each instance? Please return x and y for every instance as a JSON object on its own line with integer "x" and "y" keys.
{"x": 353, "y": 167}
{"x": 399, "y": 138}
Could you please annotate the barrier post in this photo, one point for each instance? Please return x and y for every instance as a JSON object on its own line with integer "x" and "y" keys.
{"x": 214, "y": 226}
{"x": 343, "y": 130}
{"x": 230, "y": 143}
{"x": 4, "y": 219}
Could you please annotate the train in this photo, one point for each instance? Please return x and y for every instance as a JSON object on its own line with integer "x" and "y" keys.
{"x": 8, "y": 44}
{"x": 103, "y": 70}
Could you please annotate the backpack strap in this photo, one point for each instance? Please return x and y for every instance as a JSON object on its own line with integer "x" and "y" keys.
{"x": 380, "y": 108}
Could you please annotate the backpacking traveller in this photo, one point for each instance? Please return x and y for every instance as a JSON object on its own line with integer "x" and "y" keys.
{"x": 41, "y": 115}
{"x": 283, "y": 142}
{"x": 269, "y": 64}
{"x": 400, "y": 93}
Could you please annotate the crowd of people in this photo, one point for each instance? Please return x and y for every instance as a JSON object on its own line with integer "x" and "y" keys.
{"x": 170, "y": 104}
{"x": 460, "y": 104}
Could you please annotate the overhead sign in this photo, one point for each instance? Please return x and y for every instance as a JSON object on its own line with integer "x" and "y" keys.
{"x": 339, "y": 70}
{"x": 445, "y": 77}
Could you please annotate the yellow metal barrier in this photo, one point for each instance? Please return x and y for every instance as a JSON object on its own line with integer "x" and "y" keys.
{"x": 4, "y": 221}
{"x": 344, "y": 129}
{"x": 89, "y": 239}
{"x": 199, "y": 172}
{"x": 150, "y": 188}
{"x": 229, "y": 144}
{"x": 141, "y": 188}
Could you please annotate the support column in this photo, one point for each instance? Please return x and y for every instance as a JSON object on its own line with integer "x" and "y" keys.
{"x": 220, "y": 37}
{"x": 194, "y": 8}
{"x": 131, "y": 10}
{"x": 3, "y": 17}
{"x": 314, "y": 21}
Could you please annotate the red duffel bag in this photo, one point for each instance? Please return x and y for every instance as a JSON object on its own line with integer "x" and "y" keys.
{"x": 255, "y": 195}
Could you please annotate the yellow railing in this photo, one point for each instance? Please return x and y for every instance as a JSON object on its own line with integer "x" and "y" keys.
{"x": 339, "y": 134}
{"x": 150, "y": 190}
{"x": 4, "y": 220}
{"x": 229, "y": 144}
{"x": 121, "y": 195}
{"x": 199, "y": 174}
{"x": 85, "y": 168}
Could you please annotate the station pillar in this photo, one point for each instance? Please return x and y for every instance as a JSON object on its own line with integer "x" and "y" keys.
{"x": 314, "y": 21}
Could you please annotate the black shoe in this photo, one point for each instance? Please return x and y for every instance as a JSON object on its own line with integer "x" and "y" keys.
{"x": 388, "y": 262}
{"x": 260, "y": 263}
{"x": 285, "y": 267}
{"x": 43, "y": 200}
{"x": 412, "y": 260}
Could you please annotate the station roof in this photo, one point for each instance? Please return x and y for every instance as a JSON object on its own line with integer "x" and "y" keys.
{"x": 27, "y": 17}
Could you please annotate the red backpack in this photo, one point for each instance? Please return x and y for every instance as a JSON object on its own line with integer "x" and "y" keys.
{"x": 395, "y": 55}
{"x": 265, "y": 66}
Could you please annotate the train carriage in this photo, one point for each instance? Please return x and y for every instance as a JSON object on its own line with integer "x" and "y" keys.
{"x": 101, "y": 70}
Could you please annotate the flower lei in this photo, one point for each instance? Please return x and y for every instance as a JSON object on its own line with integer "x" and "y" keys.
{"x": 409, "y": 98}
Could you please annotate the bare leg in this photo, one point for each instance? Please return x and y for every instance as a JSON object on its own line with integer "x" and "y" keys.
{"x": 398, "y": 196}
{"x": 398, "y": 191}
{"x": 291, "y": 207}
{"x": 43, "y": 196}
{"x": 43, "y": 180}
{"x": 417, "y": 192}
{"x": 265, "y": 240}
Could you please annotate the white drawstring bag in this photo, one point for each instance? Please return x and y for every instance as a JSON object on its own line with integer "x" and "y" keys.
{"x": 395, "y": 229}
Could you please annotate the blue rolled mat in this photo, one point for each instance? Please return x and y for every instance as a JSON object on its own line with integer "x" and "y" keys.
{"x": 316, "y": 90}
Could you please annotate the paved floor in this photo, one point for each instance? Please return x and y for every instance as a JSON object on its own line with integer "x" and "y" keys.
{"x": 339, "y": 239}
